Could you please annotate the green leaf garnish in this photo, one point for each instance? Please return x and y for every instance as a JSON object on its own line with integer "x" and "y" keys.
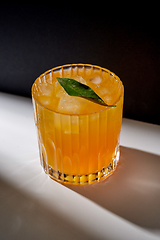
{"x": 77, "y": 89}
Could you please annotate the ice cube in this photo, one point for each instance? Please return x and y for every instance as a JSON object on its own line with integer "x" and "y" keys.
{"x": 96, "y": 80}
{"x": 60, "y": 92}
{"x": 109, "y": 94}
{"x": 45, "y": 93}
{"x": 45, "y": 89}
{"x": 44, "y": 100}
{"x": 108, "y": 99}
{"x": 68, "y": 104}
{"x": 103, "y": 91}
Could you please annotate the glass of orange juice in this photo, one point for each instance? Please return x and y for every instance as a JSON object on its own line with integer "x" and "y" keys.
{"x": 78, "y": 139}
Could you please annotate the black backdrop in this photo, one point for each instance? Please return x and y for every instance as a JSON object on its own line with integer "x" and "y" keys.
{"x": 37, "y": 37}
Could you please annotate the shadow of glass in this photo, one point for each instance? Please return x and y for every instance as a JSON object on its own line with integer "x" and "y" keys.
{"x": 133, "y": 191}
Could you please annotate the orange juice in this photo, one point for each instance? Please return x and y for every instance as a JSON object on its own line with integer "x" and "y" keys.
{"x": 78, "y": 139}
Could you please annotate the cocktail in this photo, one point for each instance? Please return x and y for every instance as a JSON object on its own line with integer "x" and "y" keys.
{"x": 78, "y": 139}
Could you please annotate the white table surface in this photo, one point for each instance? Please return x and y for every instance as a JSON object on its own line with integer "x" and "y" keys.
{"x": 32, "y": 206}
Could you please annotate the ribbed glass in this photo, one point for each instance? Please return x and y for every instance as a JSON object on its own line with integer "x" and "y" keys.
{"x": 78, "y": 149}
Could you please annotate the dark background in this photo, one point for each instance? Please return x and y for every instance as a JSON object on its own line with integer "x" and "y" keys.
{"x": 37, "y": 37}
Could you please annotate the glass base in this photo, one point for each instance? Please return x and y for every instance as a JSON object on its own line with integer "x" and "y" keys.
{"x": 82, "y": 179}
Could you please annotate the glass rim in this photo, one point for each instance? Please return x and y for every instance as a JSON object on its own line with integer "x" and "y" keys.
{"x": 77, "y": 65}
